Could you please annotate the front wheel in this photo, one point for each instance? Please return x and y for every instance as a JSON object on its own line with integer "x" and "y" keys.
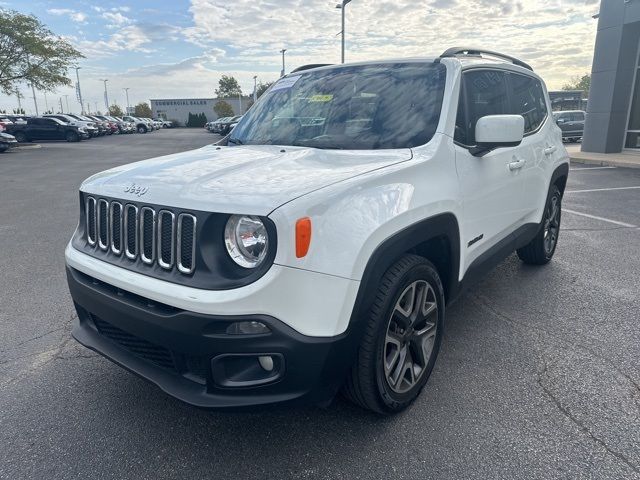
{"x": 72, "y": 137}
{"x": 541, "y": 249}
{"x": 141, "y": 129}
{"x": 401, "y": 339}
{"x": 21, "y": 137}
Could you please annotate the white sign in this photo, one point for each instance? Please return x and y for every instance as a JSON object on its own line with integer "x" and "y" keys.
{"x": 287, "y": 82}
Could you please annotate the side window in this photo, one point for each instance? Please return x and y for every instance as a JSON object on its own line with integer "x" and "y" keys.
{"x": 484, "y": 92}
{"x": 528, "y": 100}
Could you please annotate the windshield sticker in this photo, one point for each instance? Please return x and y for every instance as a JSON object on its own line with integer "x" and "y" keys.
{"x": 285, "y": 83}
{"x": 321, "y": 98}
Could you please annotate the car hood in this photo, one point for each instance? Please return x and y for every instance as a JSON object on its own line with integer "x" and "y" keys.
{"x": 244, "y": 179}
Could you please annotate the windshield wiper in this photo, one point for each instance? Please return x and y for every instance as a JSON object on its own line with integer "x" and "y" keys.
{"x": 235, "y": 141}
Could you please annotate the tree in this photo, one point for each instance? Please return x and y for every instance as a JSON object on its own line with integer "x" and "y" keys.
{"x": 115, "y": 110}
{"x": 579, "y": 83}
{"x": 228, "y": 87}
{"x": 30, "y": 52}
{"x": 143, "y": 110}
{"x": 18, "y": 111}
{"x": 196, "y": 120}
{"x": 223, "y": 109}
{"x": 262, "y": 87}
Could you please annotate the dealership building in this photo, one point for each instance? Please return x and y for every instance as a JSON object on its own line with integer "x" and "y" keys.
{"x": 613, "y": 120}
{"x": 178, "y": 109}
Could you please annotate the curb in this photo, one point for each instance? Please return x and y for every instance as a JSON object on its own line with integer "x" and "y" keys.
{"x": 607, "y": 163}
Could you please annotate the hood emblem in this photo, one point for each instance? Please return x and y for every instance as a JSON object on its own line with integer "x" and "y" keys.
{"x": 138, "y": 190}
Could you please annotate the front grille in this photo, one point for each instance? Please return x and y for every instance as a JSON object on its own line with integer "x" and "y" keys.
{"x": 142, "y": 233}
{"x": 151, "y": 352}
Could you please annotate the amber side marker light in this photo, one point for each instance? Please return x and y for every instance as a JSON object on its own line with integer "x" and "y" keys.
{"x": 303, "y": 236}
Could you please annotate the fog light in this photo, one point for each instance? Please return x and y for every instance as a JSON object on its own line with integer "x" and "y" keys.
{"x": 247, "y": 328}
{"x": 266, "y": 363}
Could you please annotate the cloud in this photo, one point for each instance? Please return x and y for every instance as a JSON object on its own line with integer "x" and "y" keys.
{"x": 75, "y": 16}
{"x": 116, "y": 19}
{"x": 558, "y": 34}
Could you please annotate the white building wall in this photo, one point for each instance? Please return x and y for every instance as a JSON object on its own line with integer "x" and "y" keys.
{"x": 178, "y": 109}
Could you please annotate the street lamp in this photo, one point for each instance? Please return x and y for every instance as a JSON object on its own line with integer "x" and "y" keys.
{"x": 106, "y": 97}
{"x": 282, "y": 52}
{"x": 78, "y": 91}
{"x": 255, "y": 88}
{"x": 342, "y": 6}
{"x": 126, "y": 90}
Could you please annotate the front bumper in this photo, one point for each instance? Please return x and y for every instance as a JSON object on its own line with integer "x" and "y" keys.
{"x": 175, "y": 349}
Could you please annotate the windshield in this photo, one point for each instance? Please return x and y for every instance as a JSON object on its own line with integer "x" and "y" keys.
{"x": 366, "y": 107}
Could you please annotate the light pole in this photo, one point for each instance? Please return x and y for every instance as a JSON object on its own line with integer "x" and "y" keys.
{"x": 66, "y": 99}
{"x": 106, "y": 97}
{"x": 282, "y": 52}
{"x": 126, "y": 90}
{"x": 342, "y": 6}
{"x": 46, "y": 103}
{"x": 78, "y": 91}
{"x": 61, "y": 109}
{"x": 255, "y": 88}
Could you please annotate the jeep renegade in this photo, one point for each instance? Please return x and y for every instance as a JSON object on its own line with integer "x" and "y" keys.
{"x": 315, "y": 248}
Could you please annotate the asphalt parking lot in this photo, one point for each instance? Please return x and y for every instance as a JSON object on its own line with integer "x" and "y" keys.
{"x": 538, "y": 376}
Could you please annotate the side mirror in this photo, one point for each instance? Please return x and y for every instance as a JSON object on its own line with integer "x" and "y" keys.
{"x": 496, "y": 131}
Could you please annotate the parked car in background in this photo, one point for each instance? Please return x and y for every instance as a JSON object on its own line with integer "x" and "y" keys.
{"x": 141, "y": 125}
{"x": 46, "y": 128}
{"x": 225, "y": 127}
{"x": 108, "y": 128}
{"x": 164, "y": 123}
{"x": 128, "y": 127}
{"x": 571, "y": 122}
{"x": 90, "y": 127}
{"x": 101, "y": 130}
{"x": 18, "y": 118}
{"x": 7, "y": 141}
{"x": 214, "y": 127}
{"x": 4, "y": 121}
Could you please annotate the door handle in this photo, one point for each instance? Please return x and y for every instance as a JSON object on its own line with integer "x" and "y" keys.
{"x": 517, "y": 164}
{"x": 549, "y": 150}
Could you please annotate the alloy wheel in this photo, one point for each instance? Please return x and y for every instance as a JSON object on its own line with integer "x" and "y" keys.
{"x": 410, "y": 337}
{"x": 551, "y": 225}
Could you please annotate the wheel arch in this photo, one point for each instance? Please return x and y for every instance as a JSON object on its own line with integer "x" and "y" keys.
{"x": 436, "y": 238}
{"x": 559, "y": 177}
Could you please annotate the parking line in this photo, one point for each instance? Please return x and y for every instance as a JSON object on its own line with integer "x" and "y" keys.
{"x": 602, "y": 219}
{"x": 589, "y": 168}
{"x": 602, "y": 189}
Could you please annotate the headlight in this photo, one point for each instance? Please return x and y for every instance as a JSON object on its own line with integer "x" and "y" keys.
{"x": 246, "y": 240}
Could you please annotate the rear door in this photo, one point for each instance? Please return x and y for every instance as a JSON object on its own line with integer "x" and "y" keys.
{"x": 491, "y": 185}
{"x": 538, "y": 147}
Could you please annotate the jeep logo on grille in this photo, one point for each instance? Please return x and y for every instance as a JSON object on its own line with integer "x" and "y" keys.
{"x": 136, "y": 189}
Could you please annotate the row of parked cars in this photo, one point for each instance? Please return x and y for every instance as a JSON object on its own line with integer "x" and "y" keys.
{"x": 223, "y": 126}
{"x": 70, "y": 127}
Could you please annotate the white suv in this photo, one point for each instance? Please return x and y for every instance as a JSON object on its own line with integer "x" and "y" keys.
{"x": 317, "y": 247}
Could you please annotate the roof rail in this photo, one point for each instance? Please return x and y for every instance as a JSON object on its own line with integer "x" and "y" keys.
{"x": 455, "y": 51}
{"x": 310, "y": 66}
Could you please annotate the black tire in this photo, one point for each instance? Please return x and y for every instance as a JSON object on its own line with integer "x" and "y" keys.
{"x": 541, "y": 249}
{"x": 142, "y": 129}
{"x": 21, "y": 137}
{"x": 72, "y": 137}
{"x": 368, "y": 383}
{"x": 3, "y": 147}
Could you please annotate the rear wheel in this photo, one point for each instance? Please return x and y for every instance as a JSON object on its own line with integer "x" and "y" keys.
{"x": 401, "y": 340}
{"x": 541, "y": 249}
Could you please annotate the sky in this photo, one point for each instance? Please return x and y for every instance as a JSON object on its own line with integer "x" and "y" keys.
{"x": 180, "y": 48}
